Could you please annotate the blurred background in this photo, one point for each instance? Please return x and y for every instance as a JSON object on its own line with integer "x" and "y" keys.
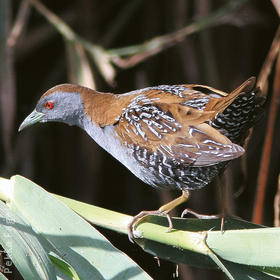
{"x": 118, "y": 46}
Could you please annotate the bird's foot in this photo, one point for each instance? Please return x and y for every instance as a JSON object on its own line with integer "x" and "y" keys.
{"x": 162, "y": 211}
{"x": 143, "y": 214}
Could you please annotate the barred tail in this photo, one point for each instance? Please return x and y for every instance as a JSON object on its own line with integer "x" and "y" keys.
{"x": 240, "y": 115}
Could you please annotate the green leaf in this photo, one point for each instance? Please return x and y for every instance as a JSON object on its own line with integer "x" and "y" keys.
{"x": 244, "y": 272}
{"x": 3, "y": 277}
{"x": 259, "y": 247}
{"x": 90, "y": 254}
{"x": 64, "y": 267}
{"x": 272, "y": 271}
{"x": 22, "y": 245}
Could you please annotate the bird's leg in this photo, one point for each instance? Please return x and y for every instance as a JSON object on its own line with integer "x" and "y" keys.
{"x": 162, "y": 211}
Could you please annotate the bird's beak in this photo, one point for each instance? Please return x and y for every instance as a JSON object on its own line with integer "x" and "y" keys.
{"x": 31, "y": 119}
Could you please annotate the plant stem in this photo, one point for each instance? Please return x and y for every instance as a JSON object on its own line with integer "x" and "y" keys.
{"x": 189, "y": 240}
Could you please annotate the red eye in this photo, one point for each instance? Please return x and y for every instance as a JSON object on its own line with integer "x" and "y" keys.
{"x": 49, "y": 105}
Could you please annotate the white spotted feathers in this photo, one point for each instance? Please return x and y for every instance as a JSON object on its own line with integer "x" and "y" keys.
{"x": 173, "y": 123}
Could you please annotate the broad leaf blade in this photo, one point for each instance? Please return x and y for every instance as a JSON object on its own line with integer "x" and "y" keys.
{"x": 23, "y": 247}
{"x": 90, "y": 254}
{"x": 259, "y": 247}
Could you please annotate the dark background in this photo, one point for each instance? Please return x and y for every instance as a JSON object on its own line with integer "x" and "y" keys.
{"x": 64, "y": 160}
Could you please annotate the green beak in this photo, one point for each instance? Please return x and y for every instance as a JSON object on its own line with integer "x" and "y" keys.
{"x": 31, "y": 119}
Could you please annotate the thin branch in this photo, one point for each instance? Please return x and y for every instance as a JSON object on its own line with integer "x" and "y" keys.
{"x": 19, "y": 23}
{"x": 156, "y": 45}
{"x": 59, "y": 24}
{"x": 266, "y": 154}
{"x": 277, "y": 205}
{"x": 268, "y": 63}
{"x": 39, "y": 35}
{"x": 97, "y": 53}
{"x": 265, "y": 159}
{"x": 79, "y": 71}
{"x": 137, "y": 53}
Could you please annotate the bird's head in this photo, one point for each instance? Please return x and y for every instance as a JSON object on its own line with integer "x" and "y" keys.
{"x": 62, "y": 103}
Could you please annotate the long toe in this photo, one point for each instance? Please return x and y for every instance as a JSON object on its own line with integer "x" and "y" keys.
{"x": 199, "y": 216}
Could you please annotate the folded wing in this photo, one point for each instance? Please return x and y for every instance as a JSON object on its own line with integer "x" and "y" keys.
{"x": 171, "y": 126}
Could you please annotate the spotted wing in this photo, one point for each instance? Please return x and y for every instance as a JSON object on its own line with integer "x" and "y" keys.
{"x": 173, "y": 131}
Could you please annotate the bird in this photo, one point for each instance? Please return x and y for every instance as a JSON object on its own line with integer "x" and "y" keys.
{"x": 169, "y": 136}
